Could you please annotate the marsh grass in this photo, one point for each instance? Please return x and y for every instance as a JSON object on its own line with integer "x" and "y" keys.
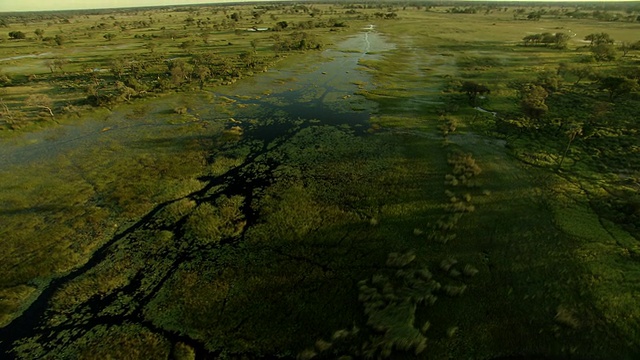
{"x": 210, "y": 223}
{"x": 537, "y": 270}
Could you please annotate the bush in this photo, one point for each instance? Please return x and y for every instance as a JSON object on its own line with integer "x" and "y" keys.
{"x": 17, "y": 35}
{"x": 182, "y": 351}
{"x": 209, "y": 224}
{"x": 180, "y": 110}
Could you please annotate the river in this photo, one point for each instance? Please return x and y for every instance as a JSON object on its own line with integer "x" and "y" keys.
{"x": 322, "y": 90}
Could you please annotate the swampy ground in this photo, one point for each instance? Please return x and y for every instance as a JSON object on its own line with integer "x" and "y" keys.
{"x": 349, "y": 202}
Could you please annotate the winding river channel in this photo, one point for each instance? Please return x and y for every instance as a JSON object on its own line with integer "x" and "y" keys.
{"x": 323, "y": 90}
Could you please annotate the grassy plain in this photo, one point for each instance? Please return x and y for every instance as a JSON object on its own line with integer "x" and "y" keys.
{"x": 183, "y": 230}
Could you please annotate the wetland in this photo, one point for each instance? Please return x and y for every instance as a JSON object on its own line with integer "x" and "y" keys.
{"x": 349, "y": 184}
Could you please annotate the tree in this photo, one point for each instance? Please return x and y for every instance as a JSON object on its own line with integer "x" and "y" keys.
{"x": 248, "y": 59}
{"x": 473, "y": 89}
{"x": 205, "y": 35}
{"x": 532, "y": 39}
{"x": 533, "y": 101}
{"x": 580, "y": 71}
{"x": 95, "y": 94}
{"x": 109, "y": 36}
{"x": 137, "y": 66}
{"x": 572, "y": 133}
{"x": 124, "y": 92}
{"x": 548, "y": 39}
{"x": 5, "y": 112}
{"x": 17, "y": 35}
{"x": 151, "y": 46}
{"x": 188, "y": 45}
{"x": 58, "y": 63}
{"x": 604, "y": 52}
{"x": 550, "y": 81}
{"x": 59, "y": 39}
{"x": 50, "y": 65}
{"x": 281, "y": 25}
{"x": 203, "y": 73}
{"x": 118, "y": 67}
{"x": 39, "y": 33}
{"x": 5, "y": 80}
{"x": 180, "y": 71}
{"x": 561, "y": 40}
{"x": 599, "y": 39}
{"x": 617, "y": 86}
{"x": 41, "y": 101}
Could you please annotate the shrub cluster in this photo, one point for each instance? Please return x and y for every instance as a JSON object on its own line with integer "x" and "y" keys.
{"x": 390, "y": 301}
{"x": 448, "y": 126}
{"x": 464, "y": 169}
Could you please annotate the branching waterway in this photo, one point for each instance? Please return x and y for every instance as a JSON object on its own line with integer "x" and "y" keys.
{"x": 269, "y": 110}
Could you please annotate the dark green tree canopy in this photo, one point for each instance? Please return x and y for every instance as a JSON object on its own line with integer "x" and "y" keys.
{"x": 17, "y": 35}
{"x": 473, "y": 89}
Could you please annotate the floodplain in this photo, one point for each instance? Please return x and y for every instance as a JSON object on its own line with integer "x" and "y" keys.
{"x": 331, "y": 180}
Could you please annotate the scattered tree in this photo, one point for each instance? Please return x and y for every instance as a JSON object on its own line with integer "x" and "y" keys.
{"x": 41, "y": 101}
{"x": 203, "y": 73}
{"x": 118, "y": 67}
{"x": 188, "y": 45}
{"x": 17, "y": 35}
{"x": 125, "y": 92}
{"x": 599, "y": 39}
{"x": 180, "y": 71}
{"x": 5, "y": 80}
{"x": 580, "y": 71}
{"x": 473, "y": 89}
{"x": 604, "y": 52}
{"x": 561, "y": 40}
{"x": 533, "y": 101}
{"x": 59, "y": 39}
{"x": 572, "y": 133}
{"x": 617, "y": 86}
{"x": 248, "y": 59}
{"x": 151, "y": 46}
{"x": 109, "y": 36}
{"x": 550, "y": 81}
{"x": 39, "y": 33}
{"x": 281, "y": 25}
{"x": 5, "y": 112}
{"x": 58, "y": 63}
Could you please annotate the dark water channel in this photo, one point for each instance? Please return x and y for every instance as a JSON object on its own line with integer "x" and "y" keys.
{"x": 322, "y": 92}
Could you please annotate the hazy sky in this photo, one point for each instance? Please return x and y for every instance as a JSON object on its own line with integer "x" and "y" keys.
{"x": 34, "y": 5}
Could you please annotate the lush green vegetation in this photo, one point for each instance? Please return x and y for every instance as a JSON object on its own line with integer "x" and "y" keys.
{"x": 488, "y": 207}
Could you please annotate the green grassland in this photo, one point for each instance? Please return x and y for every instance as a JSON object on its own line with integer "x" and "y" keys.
{"x": 184, "y": 228}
